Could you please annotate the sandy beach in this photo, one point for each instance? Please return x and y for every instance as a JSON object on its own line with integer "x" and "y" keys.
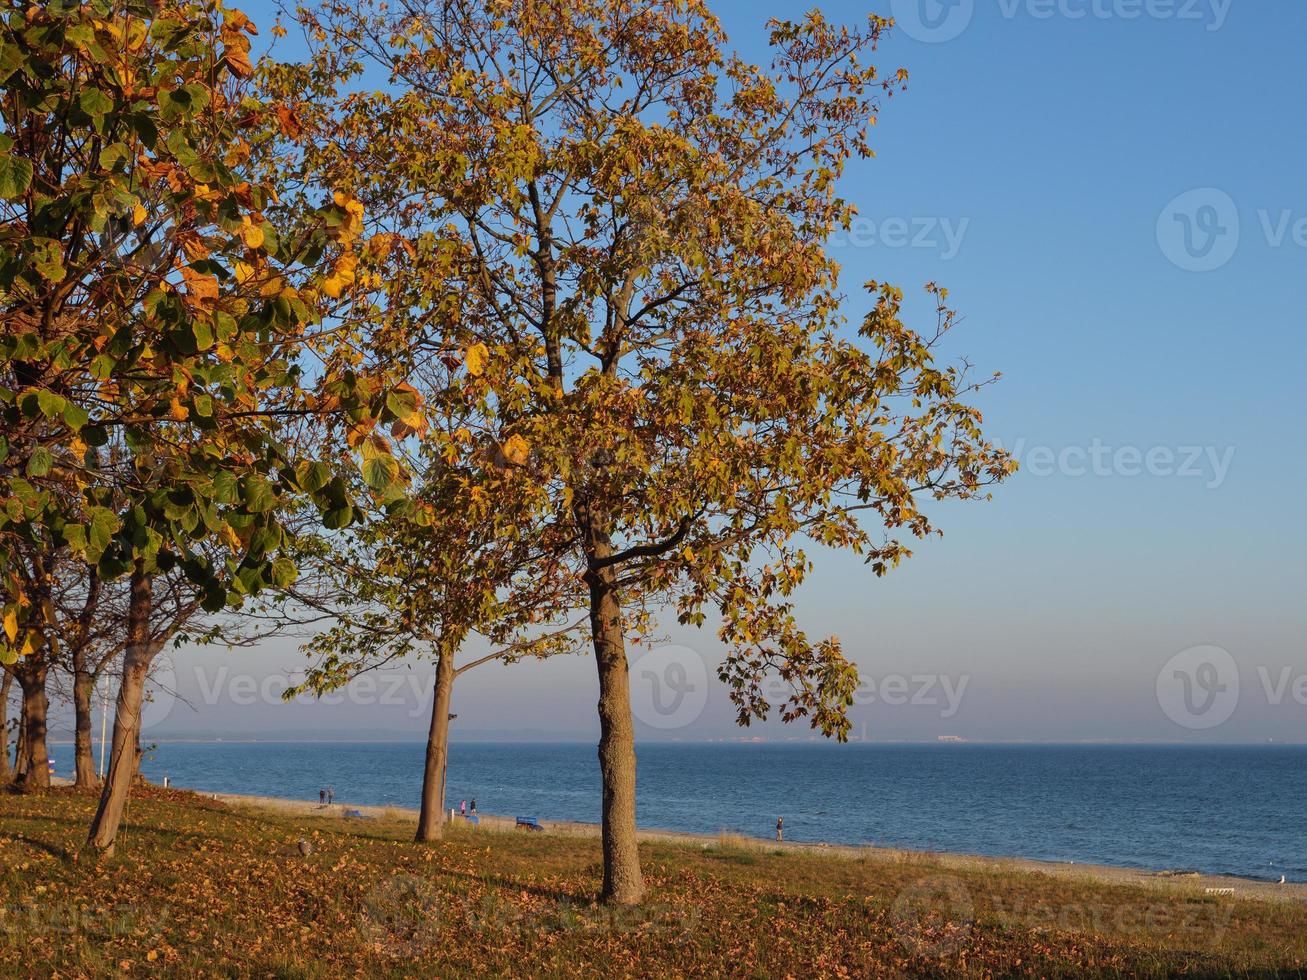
{"x": 1176, "y": 881}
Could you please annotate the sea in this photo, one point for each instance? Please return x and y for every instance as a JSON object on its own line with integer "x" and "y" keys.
{"x": 1233, "y": 810}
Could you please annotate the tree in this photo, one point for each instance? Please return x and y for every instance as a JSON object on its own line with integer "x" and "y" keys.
{"x": 89, "y": 626}
{"x": 421, "y": 588}
{"x": 155, "y": 347}
{"x": 635, "y": 223}
{"x": 31, "y": 588}
{"x": 6, "y": 683}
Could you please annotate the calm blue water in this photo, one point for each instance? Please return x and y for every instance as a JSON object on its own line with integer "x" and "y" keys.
{"x": 1227, "y": 810}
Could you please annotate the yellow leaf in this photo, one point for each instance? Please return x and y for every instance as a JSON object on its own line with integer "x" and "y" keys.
{"x": 243, "y": 272}
{"x": 345, "y": 265}
{"x": 177, "y": 410}
{"x": 475, "y": 358}
{"x": 252, "y": 234}
{"x": 200, "y": 289}
{"x": 11, "y": 624}
{"x": 138, "y": 214}
{"x": 332, "y": 287}
{"x": 230, "y": 537}
{"x": 516, "y": 450}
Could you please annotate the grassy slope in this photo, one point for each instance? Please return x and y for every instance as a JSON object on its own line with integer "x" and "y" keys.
{"x": 199, "y": 889}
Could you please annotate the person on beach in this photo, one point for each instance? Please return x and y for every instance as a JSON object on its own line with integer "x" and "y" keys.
{"x": 780, "y": 828}
{"x": 331, "y": 791}
{"x": 474, "y": 806}
{"x": 462, "y": 808}
{"x": 322, "y": 797}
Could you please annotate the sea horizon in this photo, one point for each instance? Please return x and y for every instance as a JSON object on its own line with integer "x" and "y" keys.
{"x": 1173, "y": 807}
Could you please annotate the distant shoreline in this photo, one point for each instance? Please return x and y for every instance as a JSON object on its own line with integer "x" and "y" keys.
{"x": 1188, "y": 881}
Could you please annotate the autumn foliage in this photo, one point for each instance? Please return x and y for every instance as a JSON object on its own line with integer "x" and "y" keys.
{"x": 542, "y": 325}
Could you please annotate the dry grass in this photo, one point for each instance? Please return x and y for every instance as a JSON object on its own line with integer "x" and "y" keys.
{"x": 198, "y": 889}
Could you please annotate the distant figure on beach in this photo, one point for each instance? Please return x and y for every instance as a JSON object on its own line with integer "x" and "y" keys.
{"x": 474, "y": 806}
{"x": 462, "y": 808}
{"x": 322, "y": 797}
{"x": 780, "y": 828}
{"x": 331, "y": 791}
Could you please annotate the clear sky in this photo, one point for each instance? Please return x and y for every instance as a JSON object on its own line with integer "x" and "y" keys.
{"x": 1152, "y": 347}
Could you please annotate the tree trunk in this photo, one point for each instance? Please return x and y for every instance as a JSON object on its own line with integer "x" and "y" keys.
{"x": 6, "y": 683}
{"x": 20, "y": 749}
{"x": 124, "y": 749}
{"x": 36, "y": 761}
{"x": 623, "y": 882}
{"x": 431, "y": 821}
{"x": 84, "y": 756}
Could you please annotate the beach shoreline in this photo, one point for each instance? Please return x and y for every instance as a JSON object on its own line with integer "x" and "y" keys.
{"x": 1174, "y": 881}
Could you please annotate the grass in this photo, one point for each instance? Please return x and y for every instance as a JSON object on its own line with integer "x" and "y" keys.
{"x": 198, "y": 889}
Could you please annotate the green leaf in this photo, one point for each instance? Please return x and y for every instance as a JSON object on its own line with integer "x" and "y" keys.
{"x": 52, "y": 405}
{"x": 338, "y": 518}
{"x": 103, "y": 525}
{"x": 225, "y": 489}
{"x": 215, "y": 598}
{"x": 380, "y": 471}
{"x": 96, "y": 105}
{"x": 283, "y": 573}
{"x": 40, "y": 462}
{"x": 102, "y": 366}
{"x": 402, "y": 404}
{"x": 257, "y": 494}
{"x": 313, "y": 476}
{"x": 15, "y": 176}
{"x": 75, "y": 416}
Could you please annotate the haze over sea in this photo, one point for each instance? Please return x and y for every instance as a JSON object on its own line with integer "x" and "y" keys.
{"x": 1216, "y": 809}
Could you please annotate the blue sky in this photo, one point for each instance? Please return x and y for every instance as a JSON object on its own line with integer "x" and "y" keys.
{"x": 1036, "y": 161}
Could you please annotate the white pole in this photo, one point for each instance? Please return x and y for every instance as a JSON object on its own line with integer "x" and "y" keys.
{"x": 104, "y": 724}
